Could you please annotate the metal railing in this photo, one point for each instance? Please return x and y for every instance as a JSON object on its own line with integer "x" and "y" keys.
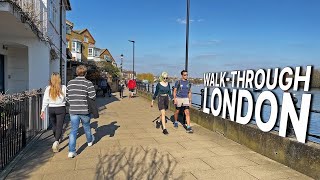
{"x": 150, "y": 88}
{"x": 19, "y": 123}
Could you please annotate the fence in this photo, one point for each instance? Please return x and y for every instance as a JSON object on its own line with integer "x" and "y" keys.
{"x": 150, "y": 88}
{"x": 19, "y": 123}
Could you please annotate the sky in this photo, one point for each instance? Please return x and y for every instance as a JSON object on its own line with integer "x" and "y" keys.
{"x": 224, "y": 35}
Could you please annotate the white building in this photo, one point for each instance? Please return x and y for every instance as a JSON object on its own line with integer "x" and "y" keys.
{"x": 30, "y": 43}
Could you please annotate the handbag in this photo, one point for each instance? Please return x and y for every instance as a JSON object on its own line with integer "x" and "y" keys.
{"x": 93, "y": 109}
{"x": 67, "y": 107}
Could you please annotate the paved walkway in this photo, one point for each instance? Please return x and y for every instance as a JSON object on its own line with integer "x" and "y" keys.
{"x": 128, "y": 146}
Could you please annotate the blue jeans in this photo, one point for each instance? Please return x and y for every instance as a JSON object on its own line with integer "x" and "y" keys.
{"x": 75, "y": 122}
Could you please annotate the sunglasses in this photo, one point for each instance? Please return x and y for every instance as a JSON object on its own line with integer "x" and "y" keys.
{"x": 165, "y": 78}
{"x": 55, "y": 73}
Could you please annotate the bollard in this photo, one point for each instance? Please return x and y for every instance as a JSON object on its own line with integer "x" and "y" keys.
{"x": 148, "y": 88}
{"x": 152, "y": 90}
{"x": 290, "y": 132}
{"x": 202, "y": 98}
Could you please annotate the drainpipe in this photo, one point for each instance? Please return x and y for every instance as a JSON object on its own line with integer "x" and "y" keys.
{"x": 62, "y": 76}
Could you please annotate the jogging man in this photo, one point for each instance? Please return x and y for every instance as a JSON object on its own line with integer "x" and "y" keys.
{"x": 182, "y": 99}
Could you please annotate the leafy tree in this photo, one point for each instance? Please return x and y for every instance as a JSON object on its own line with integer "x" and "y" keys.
{"x": 104, "y": 66}
{"x": 145, "y": 76}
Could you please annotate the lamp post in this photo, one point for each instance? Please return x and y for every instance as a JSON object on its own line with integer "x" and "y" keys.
{"x": 187, "y": 35}
{"x": 121, "y": 57}
{"x": 132, "y": 58}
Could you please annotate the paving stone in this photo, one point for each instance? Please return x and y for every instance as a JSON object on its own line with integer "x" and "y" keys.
{"x": 128, "y": 146}
{"x": 221, "y": 174}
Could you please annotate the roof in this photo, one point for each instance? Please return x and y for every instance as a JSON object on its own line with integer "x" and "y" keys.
{"x": 84, "y": 30}
{"x": 69, "y": 23}
{"x": 104, "y": 50}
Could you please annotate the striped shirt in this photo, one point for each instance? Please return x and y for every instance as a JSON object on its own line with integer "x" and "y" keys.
{"x": 78, "y": 90}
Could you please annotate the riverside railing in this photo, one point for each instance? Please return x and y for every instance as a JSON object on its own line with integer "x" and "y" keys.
{"x": 315, "y": 137}
{"x": 19, "y": 123}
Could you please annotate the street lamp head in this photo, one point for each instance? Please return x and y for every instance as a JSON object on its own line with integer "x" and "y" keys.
{"x": 131, "y": 41}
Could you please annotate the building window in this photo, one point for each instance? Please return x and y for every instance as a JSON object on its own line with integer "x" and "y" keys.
{"x": 74, "y": 44}
{"x": 76, "y": 47}
{"x": 53, "y": 13}
{"x": 85, "y": 39}
{"x": 107, "y": 58}
{"x": 68, "y": 29}
{"x": 96, "y": 52}
{"x": 90, "y": 52}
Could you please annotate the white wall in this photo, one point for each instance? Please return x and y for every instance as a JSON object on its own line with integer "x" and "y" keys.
{"x": 16, "y": 65}
{"x": 39, "y": 65}
{"x": 76, "y": 55}
{"x": 37, "y": 58}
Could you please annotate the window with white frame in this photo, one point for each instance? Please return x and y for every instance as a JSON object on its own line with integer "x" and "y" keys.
{"x": 79, "y": 47}
{"x": 90, "y": 52}
{"x": 85, "y": 39}
{"x": 76, "y": 46}
{"x": 96, "y": 52}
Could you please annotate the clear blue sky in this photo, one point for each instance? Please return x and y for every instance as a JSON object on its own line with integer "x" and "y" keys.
{"x": 225, "y": 35}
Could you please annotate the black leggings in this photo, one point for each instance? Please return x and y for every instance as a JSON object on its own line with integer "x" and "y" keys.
{"x": 56, "y": 116}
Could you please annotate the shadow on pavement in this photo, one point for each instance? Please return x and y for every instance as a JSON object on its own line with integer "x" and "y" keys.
{"x": 136, "y": 163}
{"x": 105, "y": 130}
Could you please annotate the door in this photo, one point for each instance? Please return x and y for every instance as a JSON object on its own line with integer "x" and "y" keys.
{"x": 1, "y": 73}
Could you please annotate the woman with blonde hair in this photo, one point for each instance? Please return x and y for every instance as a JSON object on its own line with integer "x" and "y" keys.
{"x": 55, "y": 98}
{"x": 163, "y": 91}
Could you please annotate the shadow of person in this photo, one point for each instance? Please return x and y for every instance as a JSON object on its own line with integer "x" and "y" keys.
{"x": 181, "y": 118}
{"x": 102, "y": 131}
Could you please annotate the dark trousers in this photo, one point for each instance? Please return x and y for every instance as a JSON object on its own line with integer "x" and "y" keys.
{"x": 56, "y": 117}
{"x": 121, "y": 92}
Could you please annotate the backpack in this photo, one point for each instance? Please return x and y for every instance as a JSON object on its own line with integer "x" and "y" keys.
{"x": 179, "y": 86}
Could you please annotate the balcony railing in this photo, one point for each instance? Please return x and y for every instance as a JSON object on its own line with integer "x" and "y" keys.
{"x": 33, "y": 13}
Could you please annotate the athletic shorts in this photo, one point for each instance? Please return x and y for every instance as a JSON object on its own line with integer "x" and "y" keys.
{"x": 131, "y": 90}
{"x": 163, "y": 102}
{"x": 182, "y": 102}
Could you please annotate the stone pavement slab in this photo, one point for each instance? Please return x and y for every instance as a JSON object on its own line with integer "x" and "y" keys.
{"x": 128, "y": 146}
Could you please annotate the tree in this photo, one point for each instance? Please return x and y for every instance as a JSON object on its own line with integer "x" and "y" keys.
{"x": 146, "y": 76}
{"x": 104, "y": 66}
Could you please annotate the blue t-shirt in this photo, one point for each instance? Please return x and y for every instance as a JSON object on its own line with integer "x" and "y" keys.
{"x": 183, "y": 91}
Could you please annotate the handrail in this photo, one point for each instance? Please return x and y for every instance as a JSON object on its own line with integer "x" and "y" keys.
{"x": 146, "y": 87}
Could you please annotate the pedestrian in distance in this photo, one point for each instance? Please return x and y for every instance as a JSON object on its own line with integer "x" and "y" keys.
{"x": 109, "y": 90}
{"x": 78, "y": 92}
{"x": 163, "y": 92}
{"x": 182, "y": 99}
{"x": 104, "y": 86}
{"x": 55, "y": 99}
{"x": 121, "y": 88}
{"x": 131, "y": 85}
